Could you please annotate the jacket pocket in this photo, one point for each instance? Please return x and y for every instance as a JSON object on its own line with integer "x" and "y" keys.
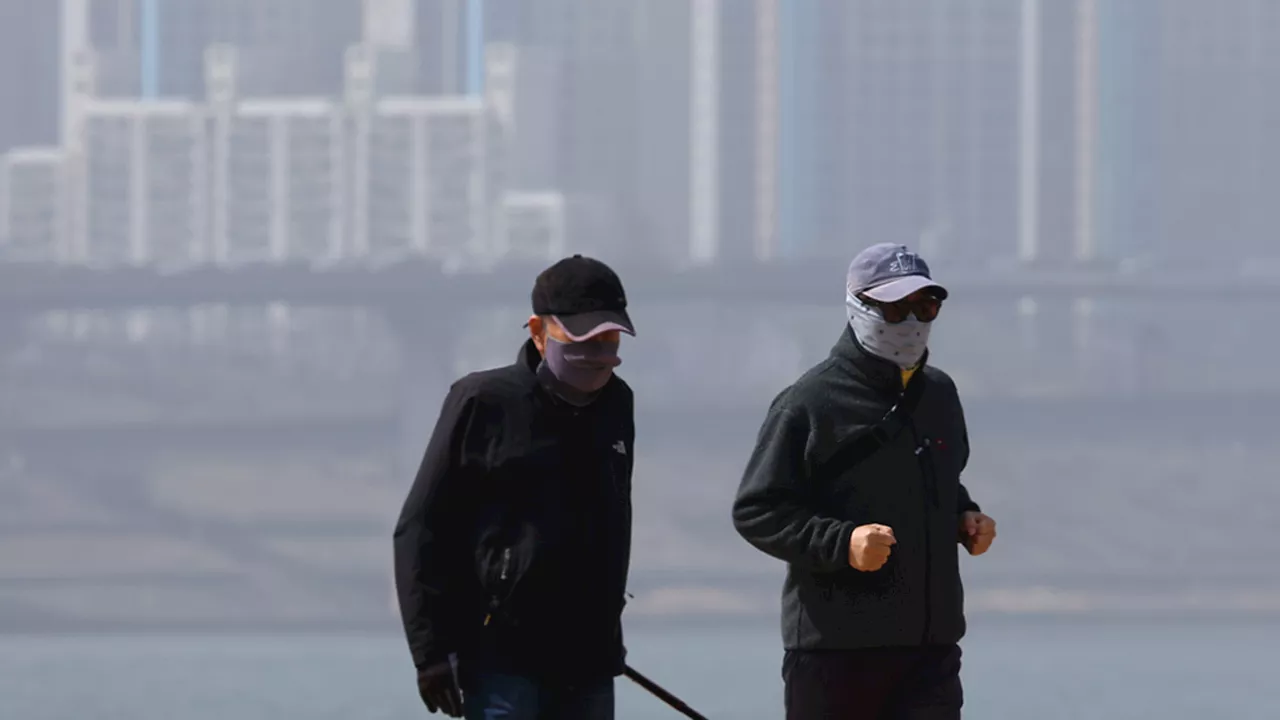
{"x": 503, "y": 564}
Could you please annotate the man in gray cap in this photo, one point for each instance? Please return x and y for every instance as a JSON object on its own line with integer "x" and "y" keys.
{"x": 855, "y": 484}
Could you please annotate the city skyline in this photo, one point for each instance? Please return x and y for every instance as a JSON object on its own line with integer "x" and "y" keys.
{"x": 1015, "y": 131}
{"x": 338, "y": 219}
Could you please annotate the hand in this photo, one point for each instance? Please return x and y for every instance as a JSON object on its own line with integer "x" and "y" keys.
{"x": 976, "y": 532}
{"x": 439, "y": 690}
{"x": 869, "y": 547}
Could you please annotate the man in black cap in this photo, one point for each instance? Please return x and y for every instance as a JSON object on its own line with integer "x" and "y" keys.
{"x": 855, "y": 484}
{"x": 513, "y": 547}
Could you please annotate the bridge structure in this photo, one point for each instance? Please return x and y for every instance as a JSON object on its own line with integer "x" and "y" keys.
{"x": 104, "y": 471}
{"x": 35, "y": 288}
{"x": 410, "y": 294}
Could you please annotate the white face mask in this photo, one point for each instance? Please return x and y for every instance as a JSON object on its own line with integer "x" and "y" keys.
{"x": 902, "y": 344}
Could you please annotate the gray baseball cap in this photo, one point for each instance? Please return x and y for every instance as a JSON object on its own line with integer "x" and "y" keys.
{"x": 889, "y": 272}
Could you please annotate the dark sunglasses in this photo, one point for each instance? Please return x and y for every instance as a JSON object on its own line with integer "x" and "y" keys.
{"x": 925, "y": 308}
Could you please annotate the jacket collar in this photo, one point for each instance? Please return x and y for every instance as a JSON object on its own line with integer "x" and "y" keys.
{"x": 874, "y": 371}
{"x": 529, "y": 358}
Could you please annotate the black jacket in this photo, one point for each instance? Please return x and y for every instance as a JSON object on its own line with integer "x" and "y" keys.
{"x": 513, "y": 546}
{"x": 912, "y": 485}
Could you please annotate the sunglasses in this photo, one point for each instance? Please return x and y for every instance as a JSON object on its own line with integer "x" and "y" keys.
{"x": 925, "y": 308}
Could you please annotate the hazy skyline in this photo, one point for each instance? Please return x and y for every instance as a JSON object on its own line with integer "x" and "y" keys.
{"x": 152, "y": 459}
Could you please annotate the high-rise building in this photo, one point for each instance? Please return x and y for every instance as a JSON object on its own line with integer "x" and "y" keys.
{"x": 29, "y": 72}
{"x": 604, "y": 129}
{"x": 805, "y": 30}
{"x": 155, "y": 48}
{"x": 279, "y": 172}
{"x": 662, "y": 144}
{"x": 279, "y": 181}
{"x": 143, "y": 168}
{"x": 620, "y": 77}
{"x": 428, "y": 47}
{"x": 533, "y": 225}
{"x": 521, "y": 114}
{"x": 1118, "y": 64}
{"x": 419, "y": 165}
{"x": 641, "y": 129}
{"x": 1163, "y": 139}
{"x": 547, "y": 23}
{"x": 390, "y": 39}
{"x": 705, "y": 24}
{"x": 659, "y": 189}
{"x": 926, "y": 151}
{"x": 449, "y": 40}
{"x": 949, "y": 126}
{"x": 1049, "y": 115}
{"x": 522, "y": 90}
{"x": 747, "y": 130}
{"x": 1207, "y": 161}
{"x": 32, "y": 205}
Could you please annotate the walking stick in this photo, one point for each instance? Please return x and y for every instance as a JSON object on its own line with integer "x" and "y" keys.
{"x": 659, "y": 692}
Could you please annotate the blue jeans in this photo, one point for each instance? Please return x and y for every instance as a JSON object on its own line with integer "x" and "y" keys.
{"x": 512, "y": 697}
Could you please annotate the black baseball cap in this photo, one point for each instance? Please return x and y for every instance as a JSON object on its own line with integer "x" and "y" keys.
{"x": 584, "y": 295}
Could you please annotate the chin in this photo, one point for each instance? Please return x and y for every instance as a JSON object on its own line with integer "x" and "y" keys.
{"x": 600, "y": 386}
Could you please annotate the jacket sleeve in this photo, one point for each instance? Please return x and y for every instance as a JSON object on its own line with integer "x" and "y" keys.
{"x": 964, "y": 502}
{"x": 771, "y": 510}
{"x": 627, "y": 541}
{"x": 427, "y": 554}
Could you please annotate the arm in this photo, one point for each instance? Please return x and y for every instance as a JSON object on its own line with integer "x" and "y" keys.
{"x": 771, "y": 510}
{"x": 425, "y": 551}
{"x": 629, "y": 439}
{"x": 975, "y": 530}
{"x": 627, "y": 542}
{"x": 964, "y": 502}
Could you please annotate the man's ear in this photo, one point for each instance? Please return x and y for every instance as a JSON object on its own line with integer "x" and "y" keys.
{"x": 538, "y": 333}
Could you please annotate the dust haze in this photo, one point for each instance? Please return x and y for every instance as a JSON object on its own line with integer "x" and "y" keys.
{"x": 246, "y": 247}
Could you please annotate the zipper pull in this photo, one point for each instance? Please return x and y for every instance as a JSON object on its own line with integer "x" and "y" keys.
{"x": 493, "y": 607}
{"x": 502, "y": 577}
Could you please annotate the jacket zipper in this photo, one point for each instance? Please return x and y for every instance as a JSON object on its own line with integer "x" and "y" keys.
{"x": 502, "y": 581}
{"x": 923, "y": 450}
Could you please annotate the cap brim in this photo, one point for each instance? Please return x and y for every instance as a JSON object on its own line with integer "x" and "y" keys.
{"x": 895, "y": 290}
{"x": 584, "y": 326}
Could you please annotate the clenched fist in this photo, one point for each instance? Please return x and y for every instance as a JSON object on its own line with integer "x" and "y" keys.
{"x": 976, "y": 532}
{"x": 869, "y": 547}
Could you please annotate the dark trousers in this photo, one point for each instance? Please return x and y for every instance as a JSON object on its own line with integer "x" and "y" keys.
{"x": 912, "y": 683}
{"x": 494, "y": 696}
